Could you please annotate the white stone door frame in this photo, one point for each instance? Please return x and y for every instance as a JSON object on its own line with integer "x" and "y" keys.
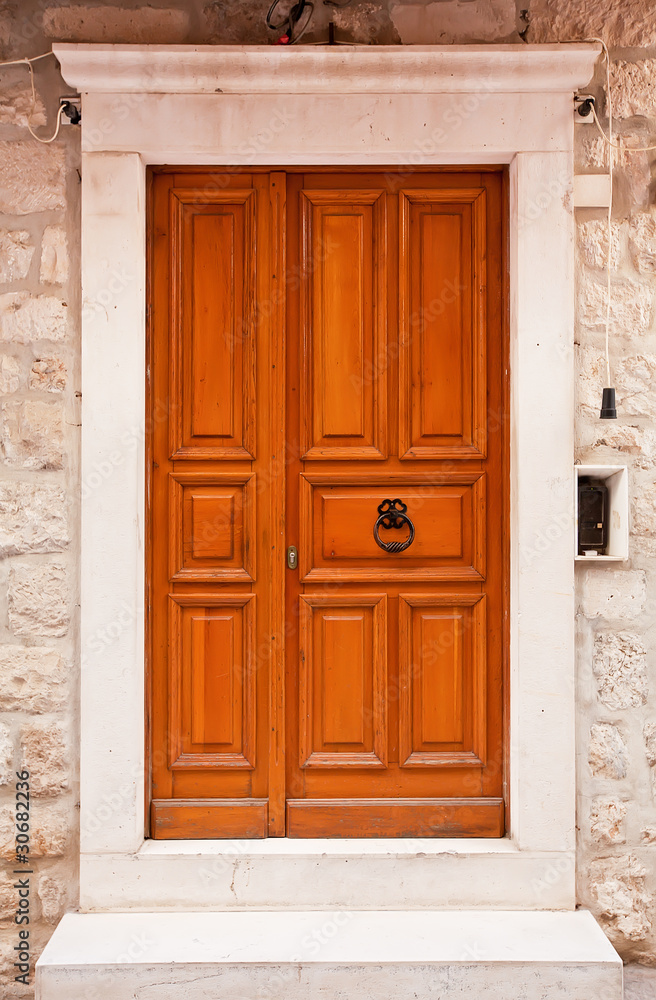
{"x": 246, "y": 105}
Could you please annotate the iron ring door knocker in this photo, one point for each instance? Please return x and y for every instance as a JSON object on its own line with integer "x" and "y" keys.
{"x": 392, "y": 514}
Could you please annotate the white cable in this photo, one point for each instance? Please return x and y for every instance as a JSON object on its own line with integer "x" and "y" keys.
{"x": 28, "y": 62}
{"x": 611, "y": 164}
{"x": 33, "y": 108}
{"x": 611, "y": 148}
{"x": 21, "y": 62}
{"x": 608, "y": 139}
{"x": 619, "y": 145}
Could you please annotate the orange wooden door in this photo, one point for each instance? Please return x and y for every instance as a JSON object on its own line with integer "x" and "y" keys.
{"x": 386, "y": 716}
{"x": 395, "y": 365}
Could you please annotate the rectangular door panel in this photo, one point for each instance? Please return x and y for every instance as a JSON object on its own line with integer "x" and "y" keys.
{"x": 213, "y": 526}
{"x": 344, "y": 319}
{"x": 213, "y": 324}
{"x": 212, "y": 719}
{"x": 442, "y": 380}
{"x": 338, "y": 517}
{"x": 452, "y": 817}
{"x": 442, "y": 680}
{"x": 343, "y": 681}
{"x": 190, "y": 819}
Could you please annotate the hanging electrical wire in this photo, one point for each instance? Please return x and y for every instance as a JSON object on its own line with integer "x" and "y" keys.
{"x": 619, "y": 145}
{"x": 60, "y": 112}
{"x": 609, "y": 138}
{"x": 31, "y": 59}
{"x": 606, "y": 396}
{"x": 608, "y": 410}
{"x": 28, "y": 62}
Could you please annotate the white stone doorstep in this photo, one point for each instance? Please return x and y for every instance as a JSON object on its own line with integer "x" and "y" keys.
{"x": 278, "y": 874}
{"x": 334, "y": 953}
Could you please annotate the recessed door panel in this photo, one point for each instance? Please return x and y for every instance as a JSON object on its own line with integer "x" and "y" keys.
{"x": 213, "y": 522}
{"x": 212, "y": 719}
{"x": 338, "y": 518}
{"x": 343, "y": 681}
{"x": 344, "y": 287}
{"x": 213, "y": 327}
{"x": 442, "y": 387}
{"x": 442, "y": 660}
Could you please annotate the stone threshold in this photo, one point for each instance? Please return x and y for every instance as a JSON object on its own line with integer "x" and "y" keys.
{"x": 291, "y": 955}
{"x": 376, "y": 874}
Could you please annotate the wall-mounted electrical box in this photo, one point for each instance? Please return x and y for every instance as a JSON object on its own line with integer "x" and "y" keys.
{"x": 591, "y": 190}
{"x": 602, "y": 513}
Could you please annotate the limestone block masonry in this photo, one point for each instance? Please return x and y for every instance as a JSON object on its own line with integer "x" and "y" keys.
{"x": 39, "y": 489}
{"x": 41, "y": 484}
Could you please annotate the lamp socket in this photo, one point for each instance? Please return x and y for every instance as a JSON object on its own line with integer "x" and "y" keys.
{"x": 71, "y": 106}
{"x": 583, "y": 105}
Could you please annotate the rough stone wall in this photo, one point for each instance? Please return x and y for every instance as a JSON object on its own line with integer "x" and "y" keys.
{"x": 39, "y": 418}
{"x": 39, "y": 428}
{"x": 616, "y": 731}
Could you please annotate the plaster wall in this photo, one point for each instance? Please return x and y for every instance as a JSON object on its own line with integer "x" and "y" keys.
{"x": 40, "y": 656}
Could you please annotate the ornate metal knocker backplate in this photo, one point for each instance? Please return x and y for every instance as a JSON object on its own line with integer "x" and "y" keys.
{"x": 392, "y": 514}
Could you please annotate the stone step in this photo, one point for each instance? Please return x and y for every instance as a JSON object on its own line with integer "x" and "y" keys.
{"x": 333, "y": 955}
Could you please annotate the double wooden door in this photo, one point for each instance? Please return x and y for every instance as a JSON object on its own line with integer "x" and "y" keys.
{"x": 327, "y": 500}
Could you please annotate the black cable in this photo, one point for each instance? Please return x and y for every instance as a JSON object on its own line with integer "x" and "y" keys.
{"x": 275, "y": 27}
{"x": 298, "y": 33}
{"x": 291, "y": 20}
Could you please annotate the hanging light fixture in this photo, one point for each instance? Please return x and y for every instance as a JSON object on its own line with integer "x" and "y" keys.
{"x": 608, "y": 410}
